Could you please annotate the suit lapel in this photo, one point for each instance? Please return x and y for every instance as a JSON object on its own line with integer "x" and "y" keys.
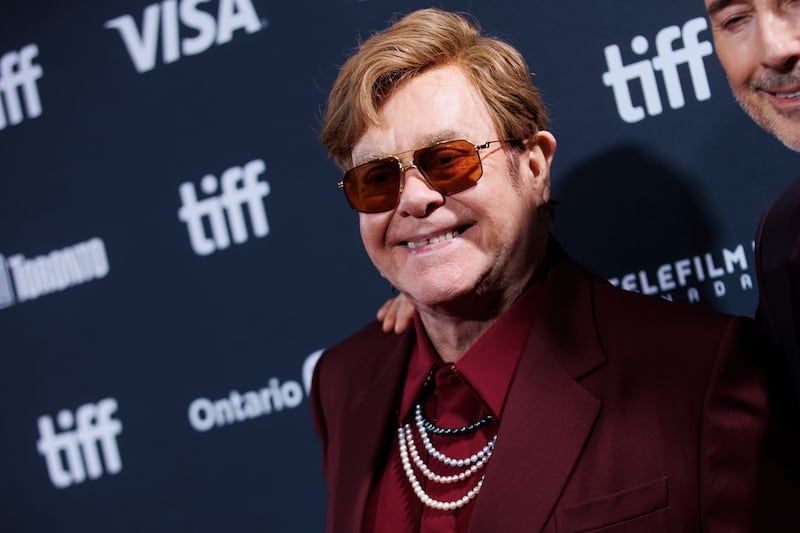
{"x": 366, "y": 431}
{"x": 548, "y": 415}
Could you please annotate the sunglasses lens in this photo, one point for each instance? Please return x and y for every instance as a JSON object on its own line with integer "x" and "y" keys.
{"x": 451, "y": 166}
{"x": 373, "y": 187}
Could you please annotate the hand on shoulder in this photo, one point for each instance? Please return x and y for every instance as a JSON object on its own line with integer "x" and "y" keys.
{"x": 396, "y": 314}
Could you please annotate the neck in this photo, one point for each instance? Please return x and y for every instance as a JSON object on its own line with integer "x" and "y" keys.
{"x": 453, "y": 327}
{"x": 451, "y": 337}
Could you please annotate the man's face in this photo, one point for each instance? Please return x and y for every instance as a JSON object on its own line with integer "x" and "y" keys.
{"x": 758, "y": 44}
{"x": 485, "y": 240}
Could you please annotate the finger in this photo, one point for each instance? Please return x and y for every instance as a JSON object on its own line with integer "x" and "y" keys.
{"x": 403, "y": 314}
{"x": 382, "y": 310}
{"x": 387, "y": 315}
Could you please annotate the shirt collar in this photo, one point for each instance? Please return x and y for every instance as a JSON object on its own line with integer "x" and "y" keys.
{"x": 488, "y": 366}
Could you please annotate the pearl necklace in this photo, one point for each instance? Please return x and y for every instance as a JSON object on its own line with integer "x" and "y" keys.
{"x": 461, "y": 476}
{"x": 420, "y": 492}
{"x": 475, "y": 462}
{"x": 449, "y": 461}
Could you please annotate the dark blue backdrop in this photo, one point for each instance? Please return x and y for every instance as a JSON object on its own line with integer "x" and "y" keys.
{"x": 173, "y": 248}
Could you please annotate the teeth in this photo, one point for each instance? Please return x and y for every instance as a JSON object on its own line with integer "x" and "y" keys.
{"x": 789, "y": 96}
{"x": 441, "y": 238}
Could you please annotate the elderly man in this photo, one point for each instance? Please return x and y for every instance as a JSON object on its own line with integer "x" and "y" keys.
{"x": 529, "y": 395}
{"x": 758, "y": 44}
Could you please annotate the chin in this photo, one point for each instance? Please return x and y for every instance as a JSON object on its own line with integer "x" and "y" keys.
{"x": 792, "y": 141}
{"x": 435, "y": 295}
{"x": 788, "y": 134}
{"x": 785, "y": 129}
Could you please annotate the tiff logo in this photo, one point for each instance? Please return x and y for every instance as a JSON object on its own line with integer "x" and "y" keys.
{"x": 667, "y": 60}
{"x": 19, "y": 74}
{"x": 173, "y": 18}
{"x": 7, "y": 298}
{"x": 85, "y": 436}
{"x": 240, "y": 187}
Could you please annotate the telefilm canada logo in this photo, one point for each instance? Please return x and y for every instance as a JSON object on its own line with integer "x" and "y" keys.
{"x": 18, "y": 86}
{"x": 85, "y": 445}
{"x": 714, "y": 274}
{"x": 181, "y": 28}
{"x": 23, "y": 279}
{"x": 206, "y": 414}
{"x": 223, "y": 212}
{"x": 690, "y": 52}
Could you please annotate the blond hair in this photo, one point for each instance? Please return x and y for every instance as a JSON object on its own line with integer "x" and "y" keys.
{"x": 422, "y": 40}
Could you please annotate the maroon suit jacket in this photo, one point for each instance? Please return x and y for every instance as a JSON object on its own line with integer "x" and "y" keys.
{"x": 626, "y": 413}
{"x": 778, "y": 266}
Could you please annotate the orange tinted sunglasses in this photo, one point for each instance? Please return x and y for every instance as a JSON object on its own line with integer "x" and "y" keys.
{"x": 448, "y": 167}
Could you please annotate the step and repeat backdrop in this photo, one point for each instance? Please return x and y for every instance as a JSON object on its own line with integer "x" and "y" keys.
{"x": 174, "y": 252}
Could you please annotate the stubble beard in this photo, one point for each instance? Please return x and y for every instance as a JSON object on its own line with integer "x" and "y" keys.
{"x": 754, "y": 101}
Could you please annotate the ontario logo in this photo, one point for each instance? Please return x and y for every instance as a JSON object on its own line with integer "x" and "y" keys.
{"x": 236, "y": 407}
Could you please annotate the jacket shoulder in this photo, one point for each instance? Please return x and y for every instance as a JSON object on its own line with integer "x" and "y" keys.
{"x": 640, "y": 309}
{"x": 363, "y": 355}
{"x": 628, "y": 320}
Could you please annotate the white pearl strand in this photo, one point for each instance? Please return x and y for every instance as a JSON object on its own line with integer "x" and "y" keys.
{"x": 423, "y": 433}
{"x": 461, "y": 476}
{"x": 419, "y": 491}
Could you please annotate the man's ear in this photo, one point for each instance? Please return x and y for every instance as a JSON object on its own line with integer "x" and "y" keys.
{"x": 541, "y": 147}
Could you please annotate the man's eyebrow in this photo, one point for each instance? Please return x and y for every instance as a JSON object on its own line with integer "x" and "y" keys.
{"x": 366, "y": 157}
{"x": 439, "y": 136}
{"x": 718, "y": 5}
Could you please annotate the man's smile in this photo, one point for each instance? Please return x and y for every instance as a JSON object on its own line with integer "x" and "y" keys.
{"x": 450, "y": 235}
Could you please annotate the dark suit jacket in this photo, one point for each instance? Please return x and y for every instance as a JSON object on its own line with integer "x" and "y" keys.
{"x": 625, "y": 412}
{"x": 778, "y": 268}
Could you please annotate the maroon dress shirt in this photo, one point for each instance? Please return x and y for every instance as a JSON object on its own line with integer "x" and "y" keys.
{"x": 452, "y": 395}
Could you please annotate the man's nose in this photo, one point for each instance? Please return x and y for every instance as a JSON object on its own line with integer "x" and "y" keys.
{"x": 780, "y": 40}
{"x": 417, "y": 197}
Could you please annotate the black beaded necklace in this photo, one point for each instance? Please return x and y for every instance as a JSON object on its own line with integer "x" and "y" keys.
{"x": 463, "y": 430}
